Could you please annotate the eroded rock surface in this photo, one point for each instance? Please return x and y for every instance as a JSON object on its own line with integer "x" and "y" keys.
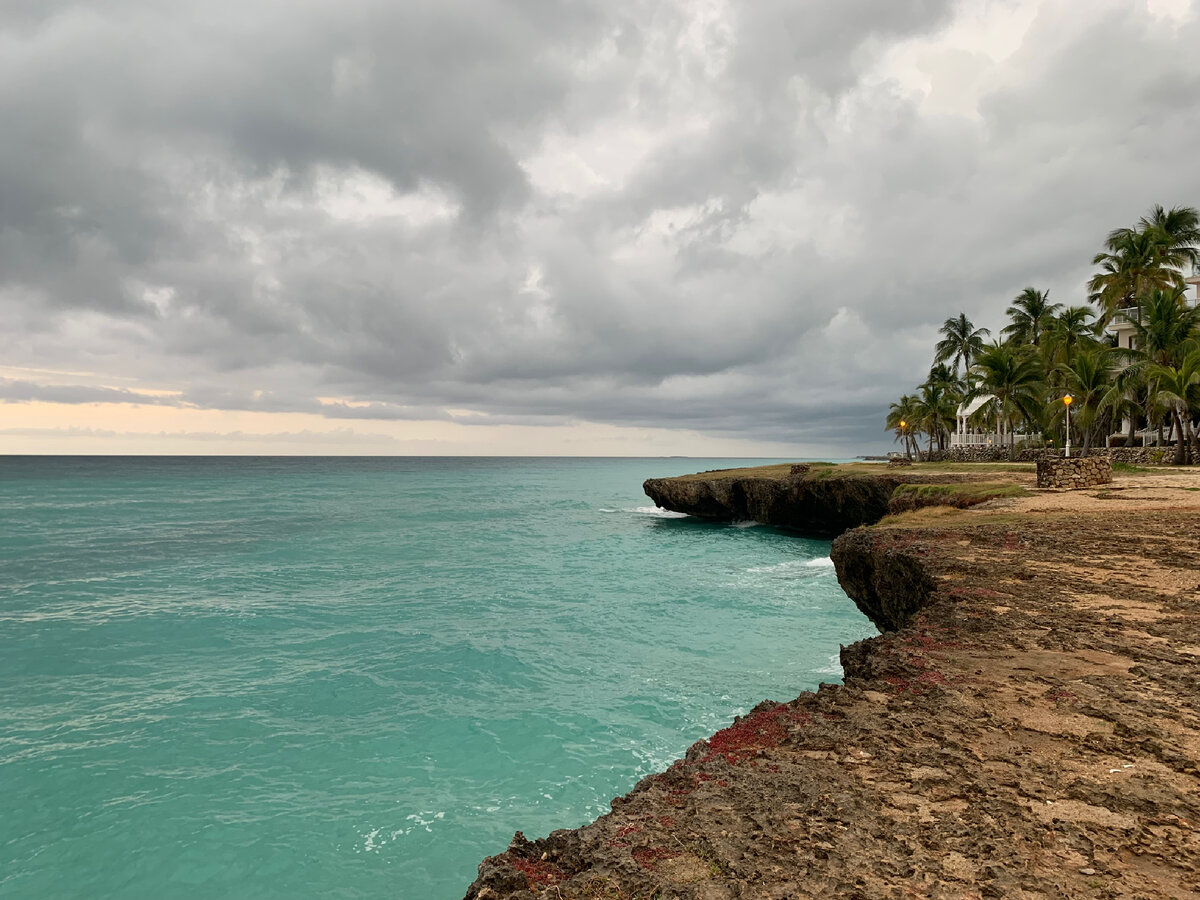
{"x": 1031, "y": 730}
{"x": 813, "y": 505}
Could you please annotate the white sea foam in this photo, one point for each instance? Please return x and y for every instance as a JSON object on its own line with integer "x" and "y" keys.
{"x": 793, "y": 566}
{"x": 744, "y": 523}
{"x": 659, "y": 512}
{"x": 834, "y": 667}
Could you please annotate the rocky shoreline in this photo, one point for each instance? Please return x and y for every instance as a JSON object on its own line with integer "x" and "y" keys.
{"x": 1028, "y": 725}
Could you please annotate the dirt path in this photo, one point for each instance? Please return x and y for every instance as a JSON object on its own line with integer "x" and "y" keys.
{"x": 1034, "y": 733}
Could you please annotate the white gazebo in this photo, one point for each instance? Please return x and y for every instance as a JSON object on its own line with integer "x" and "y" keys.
{"x": 968, "y": 435}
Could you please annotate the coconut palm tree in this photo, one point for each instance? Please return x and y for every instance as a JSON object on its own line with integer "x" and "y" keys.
{"x": 1169, "y": 331}
{"x": 1177, "y": 232}
{"x": 1169, "y": 327}
{"x": 1128, "y": 395}
{"x": 961, "y": 342}
{"x": 1031, "y": 313}
{"x": 1088, "y": 379}
{"x": 936, "y": 409}
{"x": 1014, "y": 376}
{"x": 1070, "y": 330}
{"x": 1178, "y": 386}
{"x": 902, "y": 418}
{"x": 1133, "y": 264}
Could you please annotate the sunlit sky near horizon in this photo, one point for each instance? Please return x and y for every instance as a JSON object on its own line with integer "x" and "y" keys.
{"x": 603, "y": 227}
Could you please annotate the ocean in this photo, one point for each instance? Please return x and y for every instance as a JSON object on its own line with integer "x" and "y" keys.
{"x": 299, "y": 678}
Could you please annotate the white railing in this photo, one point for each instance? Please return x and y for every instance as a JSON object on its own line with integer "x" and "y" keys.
{"x": 986, "y": 440}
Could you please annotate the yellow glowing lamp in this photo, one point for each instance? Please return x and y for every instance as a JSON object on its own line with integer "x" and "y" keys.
{"x": 902, "y": 423}
{"x": 1068, "y": 400}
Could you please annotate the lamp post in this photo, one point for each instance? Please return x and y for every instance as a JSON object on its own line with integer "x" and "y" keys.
{"x": 907, "y": 453}
{"x": 1067, "y": 403}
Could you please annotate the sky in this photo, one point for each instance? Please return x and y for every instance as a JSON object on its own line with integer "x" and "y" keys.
{"x": 559, "y": 227}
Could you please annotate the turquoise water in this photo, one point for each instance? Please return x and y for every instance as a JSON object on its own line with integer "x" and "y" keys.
{"x": 343, "y": 678}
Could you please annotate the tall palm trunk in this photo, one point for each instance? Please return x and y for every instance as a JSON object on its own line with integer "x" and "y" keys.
{"x": 1180, "y": 447}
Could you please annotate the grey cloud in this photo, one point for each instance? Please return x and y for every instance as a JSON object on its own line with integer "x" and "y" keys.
{"x": 772, "y": 260}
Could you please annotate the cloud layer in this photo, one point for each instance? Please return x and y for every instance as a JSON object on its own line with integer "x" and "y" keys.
{"x": 733, "y": 218}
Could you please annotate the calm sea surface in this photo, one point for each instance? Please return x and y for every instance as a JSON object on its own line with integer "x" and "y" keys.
{"x": 344, "y": 678}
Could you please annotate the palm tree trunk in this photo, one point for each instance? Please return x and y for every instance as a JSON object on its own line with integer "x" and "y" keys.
{"x": 1180, "y": 446}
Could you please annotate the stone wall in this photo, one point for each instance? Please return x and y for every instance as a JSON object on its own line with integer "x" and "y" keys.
{"x": 1075, "y": 473}
{"x": 1132, "y": 455}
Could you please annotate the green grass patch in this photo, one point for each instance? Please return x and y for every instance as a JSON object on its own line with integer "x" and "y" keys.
{"x": 916, "y": 496}
{"x": 1130, "y": 469}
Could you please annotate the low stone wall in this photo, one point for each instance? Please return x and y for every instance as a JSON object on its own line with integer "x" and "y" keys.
{"x": 1132, "y": 455}
{"x": 1075, "y": 473}
{"x": 1141, "y": 455}
{"x": 967, "y": 454}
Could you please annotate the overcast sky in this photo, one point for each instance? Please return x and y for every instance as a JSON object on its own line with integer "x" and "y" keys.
{"x": 550, "y": 226}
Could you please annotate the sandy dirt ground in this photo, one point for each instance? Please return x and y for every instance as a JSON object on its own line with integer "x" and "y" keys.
{"x": 1034, "y": 732}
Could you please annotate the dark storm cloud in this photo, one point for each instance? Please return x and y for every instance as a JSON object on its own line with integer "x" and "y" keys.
{"x": 716, "y": 217}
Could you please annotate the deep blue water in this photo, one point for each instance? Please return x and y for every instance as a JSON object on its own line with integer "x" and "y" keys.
{"x": 343, "y": 678}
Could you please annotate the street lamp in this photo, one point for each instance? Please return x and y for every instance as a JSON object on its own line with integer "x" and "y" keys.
{"x": 1067, "y": 400}
{"x": 907, "y": 453}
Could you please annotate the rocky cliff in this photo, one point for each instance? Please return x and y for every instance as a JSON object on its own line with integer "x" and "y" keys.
{"x": 1028, "y": 729}
{"x": 888, "y": 582}
{"x": 814, "y": 504}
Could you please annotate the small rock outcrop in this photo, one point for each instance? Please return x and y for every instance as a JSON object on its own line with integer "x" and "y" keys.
{"x": 823, "y": 507}
{"x": 888, "y": 582}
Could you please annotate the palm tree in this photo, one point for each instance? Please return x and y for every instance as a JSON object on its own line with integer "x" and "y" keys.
{"x": 1178, "y": 386}
{"x": 1133, "y": 264}
{"x": 1088, "y": 380}
{"x": 961, "y": 342}
{"x": 1031, "y": 313}
{"x": 902, "y": 418}
{"x": 936, "y": 408}
{"x": 942, "y": 374}
{"x": 1178, "y": 232}
{"x": 1148, "y": 256}
{"x": 1169, "y": 329}
{"x": 1167, "y": 334}
{"x": 1067, "y": 332}
{"x": 1127, "y": 395}
{"x": 1013, "y": 375}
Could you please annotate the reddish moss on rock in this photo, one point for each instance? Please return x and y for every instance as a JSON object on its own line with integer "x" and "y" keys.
{"x": 538, "y": 872}
{"x": 761, "y": 729}
{"x": 647, "y": 857}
